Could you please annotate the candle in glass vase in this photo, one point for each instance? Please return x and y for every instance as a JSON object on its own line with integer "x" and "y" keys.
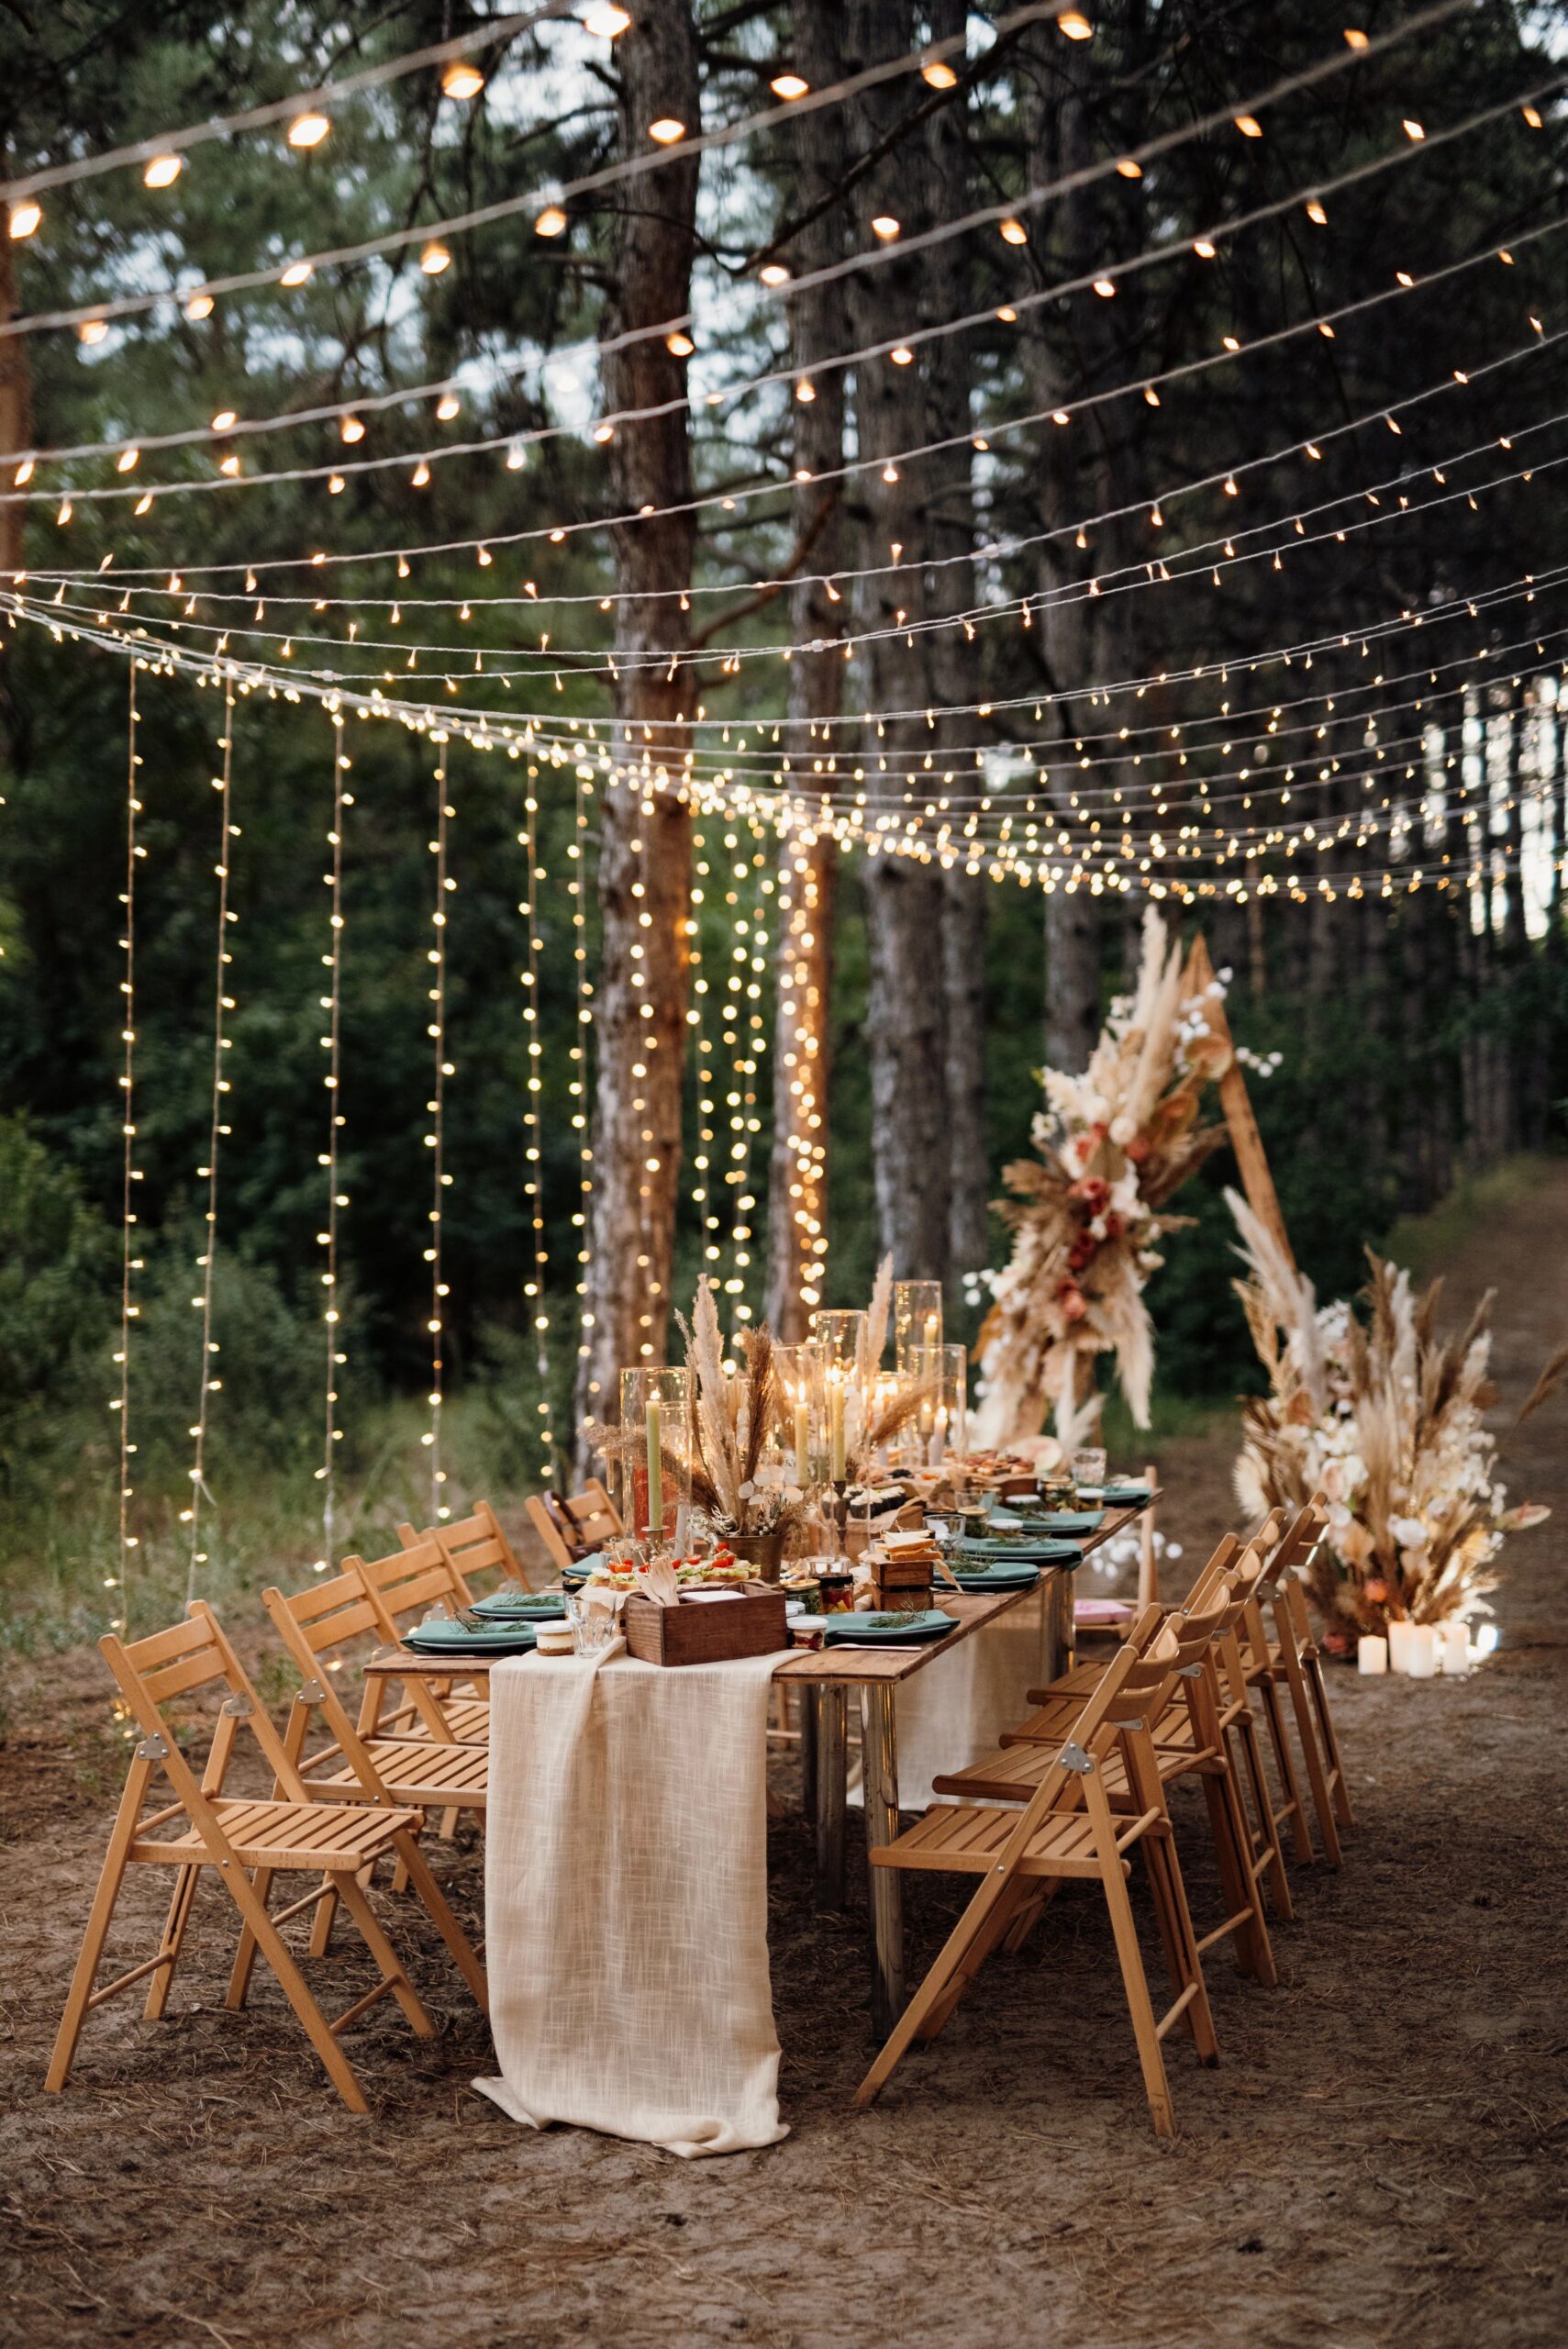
{"x": 802, "y": 1443}
{"x": 835, "y": 1445}
{"x": 655, "y": 1481}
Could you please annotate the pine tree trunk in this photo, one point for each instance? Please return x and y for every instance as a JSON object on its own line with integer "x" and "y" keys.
{"x": 798, "y": 1175}
{"x": 640, "y": 1027}
{"x": 905, "y": 1024}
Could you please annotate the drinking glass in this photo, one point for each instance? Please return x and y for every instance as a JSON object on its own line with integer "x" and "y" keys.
{"x": 594, "y": 1625}
{"x": 916, "y": 1319}
{"x": 1089, "y": 1467}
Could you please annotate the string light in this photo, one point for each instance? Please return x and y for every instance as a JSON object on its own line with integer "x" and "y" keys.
{"x": 332, "y": 1003}
{"x": 578, "y": 1085}
{"x": 130, "y": 1174}
{"x": 435, "y": 1139}
{"x": 703, "y": 1171}
{"x": 536, "y": 1288}
{"x": 217, "y": 1129}
{"x": 798, "y": 1034}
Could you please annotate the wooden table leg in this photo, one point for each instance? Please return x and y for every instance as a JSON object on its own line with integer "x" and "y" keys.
{"x": 1061, "y": 1635}
{"x": 832, "y": 1738}
{"x": 809, "y": 1715}
{"x": 879, "y": 1758}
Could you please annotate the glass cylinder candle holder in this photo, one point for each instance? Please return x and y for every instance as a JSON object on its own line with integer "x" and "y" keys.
{"x": 797, "y": 1416}
{"x": 916, "y": 1319}
{"x": 656, "y": 1454}
{"x": 839, "y": 1342}
{"x": 942, "y": 1376}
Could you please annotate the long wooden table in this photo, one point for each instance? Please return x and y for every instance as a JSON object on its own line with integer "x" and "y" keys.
{"x": 825, "y": 1676}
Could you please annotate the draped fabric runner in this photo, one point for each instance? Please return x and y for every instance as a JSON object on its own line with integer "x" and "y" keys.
{"x": 626, "y": 1901}
{"x": 954, "y": 1711}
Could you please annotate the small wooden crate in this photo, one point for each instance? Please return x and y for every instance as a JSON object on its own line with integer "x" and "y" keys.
{"x": 703, "y": 1632}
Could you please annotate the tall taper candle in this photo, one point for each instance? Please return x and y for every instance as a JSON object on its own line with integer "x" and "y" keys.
{"x": 802, "y": 1445}
{"x": 655, "y": 1481}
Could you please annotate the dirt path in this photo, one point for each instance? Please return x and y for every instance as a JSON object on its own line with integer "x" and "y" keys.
{"x": 1379, "y": 2159}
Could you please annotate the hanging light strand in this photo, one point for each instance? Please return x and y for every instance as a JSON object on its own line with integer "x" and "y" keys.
{"x": 536, "y": 1288}
{"x": 435, "y": 1139}
{"x": 218, "y": 1127}
{"x": 703, "y": 1167}
{"x": 578, "y": 1084}
{"x": 326, "y": 1474}
{"x": 130, "y": 1262}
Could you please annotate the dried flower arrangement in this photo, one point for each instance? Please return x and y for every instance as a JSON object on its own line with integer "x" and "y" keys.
{"x": 1386, "y": 1417}
{"x": 1113, "y": 1145}
{"x": 735, "y": 1419}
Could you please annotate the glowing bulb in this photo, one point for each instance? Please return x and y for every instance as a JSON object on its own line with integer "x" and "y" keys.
{"x": 1413, "y": 129}
{"x": 336, "y": 486}
{"x": 353, "y": 429}
{"x": 1075, "y": 24}
{"x": 1013, "y": 232}
{"x": 1105, "y": 288}
{"x": 805, "y": 392}
{"x": 126, "y": 461}
{"x": 199, "y": 306}
{"x": 666, "y": 130}
{"x": 1354, "y": 37}
{"x": 603, "y": 432}
{"x": 421, "y": 474}
{"x": 25, "y": 218}
{"x": 298, "y": 273}
{"x": 162, "y": 171}
{"x": 775, "y": 274}
{"x": 608, "y": 22}
{"x": 1129, "y": 170}
{"x": 224, "y": 420}
{"x": 1203, "y": 249}
{"x": 92, "y": 330}
{"x": 230, "y": 465}
{"x": 24, "y": 472}
{"x": 551, "y": 222}
{"x": 434, "y": 258}
{"x": 788, "y": 85}
{"x": 939, "y": 75}
{"x": 449, "y": 406}
{"x": 1316, "y": 213}
{"x": 885, "y": 227}
{"x": 462, "y": 80}
{"x": 680, "y": 346}
{"x": 308, "y": 129}
{"x": 1249, "y": 126}
{"x": 903, "y": 356}
{"x": 1532, "y": 115}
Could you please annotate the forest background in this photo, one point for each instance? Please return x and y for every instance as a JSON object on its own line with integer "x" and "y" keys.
{"x": 1422, "y": 1036}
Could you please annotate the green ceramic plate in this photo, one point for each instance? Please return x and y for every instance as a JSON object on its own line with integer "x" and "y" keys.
{"x": 454, "y": 1639}
{"x": 892, "y": 1630}
{"x": 519, "y": 1606}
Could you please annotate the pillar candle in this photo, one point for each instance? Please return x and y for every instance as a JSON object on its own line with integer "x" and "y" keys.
{"x": 1421, "y": 1652}
{"x": 655, "y": 1480}
{"x": 1372, "y": 1655}
{"x": 1453, "y": 1646}
{"x": 835, "y": 1428}
{"x": 1399, "y": 1631}
{"x": 801, "y": 1453}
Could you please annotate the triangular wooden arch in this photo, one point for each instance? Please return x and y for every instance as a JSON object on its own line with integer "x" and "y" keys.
{"x": 1251, "y": 1160}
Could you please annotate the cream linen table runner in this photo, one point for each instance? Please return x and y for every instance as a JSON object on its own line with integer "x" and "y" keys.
{"x": 626, "y": 1901}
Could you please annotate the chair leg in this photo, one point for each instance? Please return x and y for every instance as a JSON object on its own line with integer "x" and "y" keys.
{"x": 1319, "y": 1692}
{"x": 446, "y": 1924}
{"x": 357, "y": 1902}
{"x": 295, "y": 1988}
{"x": 322, "y": 1922}
{"x": 110, "y": 1876}
{"x": 245, "y": 1956}
{"x": 1238, "y": 1890}
{"x": 1294, "y": 1800}
{"x": 1246, "y": 1729}
{"x": 1322, "y": 1802}
{"x": 179, "y": 1917}
{"x": 1182, "y": 1957}
{"x": 932, "y": 1989}
{"x": 998, "y": 1923}
{"x": 1145, "y": 2030}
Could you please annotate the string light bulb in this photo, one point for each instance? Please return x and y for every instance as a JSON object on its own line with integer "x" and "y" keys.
{"x": 435, "y": 258}
{"x": 448, "y": 406}
{"x": 462, "y": 80}
{"x": 939, "y": 73}
{"x": 885, "y": 227}
{"x": 551, "y": 222}
{"x": 666, "y": 131}
{"x": 162, "y": 171}
{"x": 788, "y": 87}
{"x": 608, "y": 22}
{"x": 92, "y": 330}
{"x": 1013, "y": 232}
{"x": 24, "y": 219}
{"x": 1075, "y": 25}
{"x": 307, "y": 130}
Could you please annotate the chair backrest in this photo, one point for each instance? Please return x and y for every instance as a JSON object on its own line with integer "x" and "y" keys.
{"x": 408, "y": 1582}
{"x": 572, "y": 1525}
{"x": 1296, "y": 1542}
{"x": 472, "y": 1545}
{"x": 170, "y": 1663}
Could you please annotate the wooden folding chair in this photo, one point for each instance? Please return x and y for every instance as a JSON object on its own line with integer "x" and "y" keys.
{"x": 1072, "y": 1685}
{"x": 320, "y": 1627}
{"x": 401, "y": 1589}
{"x": 1193, "y": 1737}
{"x": 572, "y": 1527}
{"x": 1067, "y": 1829}
{"x": 1287, "y": 1659}
{"x": 474, "y": 1546}
{"x": 244, "y": 1843}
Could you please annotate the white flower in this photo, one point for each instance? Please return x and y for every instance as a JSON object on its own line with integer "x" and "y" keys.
{"x": 1408, "y": 1531}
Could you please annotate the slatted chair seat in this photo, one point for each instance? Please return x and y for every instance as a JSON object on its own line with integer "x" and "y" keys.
{"x": 964, "y": 1839}
{"x": 1013, "y": 1774}
{"x": 415, "y": 1769}
{"x": 242, "y": 1844}
{"x": 287, "y": 1835}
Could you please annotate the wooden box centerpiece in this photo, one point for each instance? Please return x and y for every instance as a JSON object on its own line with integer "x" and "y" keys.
{"x": 707, "y": 1630}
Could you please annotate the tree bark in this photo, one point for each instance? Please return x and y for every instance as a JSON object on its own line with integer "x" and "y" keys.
{"x": 15, "y": 434}
{"x": 645, "y": 843}
{"x": 797, "y": 1178}
{"x": 904, "y": 895}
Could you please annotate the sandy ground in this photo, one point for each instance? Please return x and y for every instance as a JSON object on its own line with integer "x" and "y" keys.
{"x": 1378, "y": 2160}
